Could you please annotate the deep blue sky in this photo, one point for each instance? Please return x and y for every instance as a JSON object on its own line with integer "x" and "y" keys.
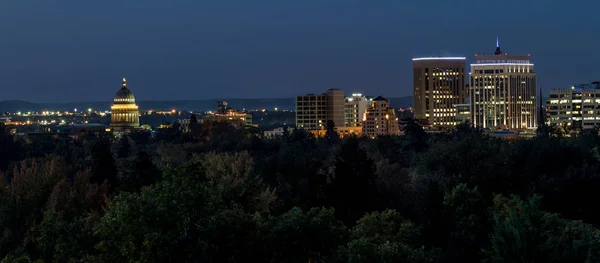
{"x": 73, "y": 50}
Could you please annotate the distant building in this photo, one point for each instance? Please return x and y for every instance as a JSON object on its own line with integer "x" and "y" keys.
{"x": 439, "y": 83}
{"x": 74, "y": 130}
{"x": 313, "y": 111}
{"x": 354, "y": 110}
{"x": 578, "y": 106}
{"x": 274, "y": 133}
{"x": 230, "y": 115}
{"x": 341, "y": 131}
{"x": 124, "y": 112}
{"x": 380, "y": 119}
{"x": 503, "y": 92}
{"x": 463, "y": 113}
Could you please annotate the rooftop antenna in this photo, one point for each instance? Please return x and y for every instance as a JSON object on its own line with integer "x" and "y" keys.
{"x": 498, "y": 51}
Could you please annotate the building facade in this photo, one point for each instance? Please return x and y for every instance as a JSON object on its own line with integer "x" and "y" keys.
{"x": 463, "y": 113}
{"x": 355, "y": 108}
{"x": 503, "y": 92}
{"x": 577, "y": 107}
{"x": 124, "y": 112}
{"x": 380, "y": 119}
{"x": 314, "y": 110}
{"x": 438, "y": 84}
{"x": 227, "y": 114}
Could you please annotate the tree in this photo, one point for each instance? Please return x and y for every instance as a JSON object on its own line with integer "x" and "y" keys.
{"x": 331, "y": 136}
{"x": 385, "y": 237}
{"x": 123, "y": 147}
{"x": 103, "y": 164}
{"x": 524, "y": 233}
{"x": 139, "y": 172}
{"x": 200, "y": 211}
{"x": 544, "y": 130}
{"x": 353, "y": 174}
{"x": 465, "y": 213}
{"x": 8, "y": 148}
{"x": 23, "y": 199}
{"x": 416, "y": 137}
{"x": 297, "y": 236}
{"x": 194, "y": 127}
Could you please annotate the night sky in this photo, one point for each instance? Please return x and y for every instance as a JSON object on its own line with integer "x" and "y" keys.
{"x": 73, "y": 50}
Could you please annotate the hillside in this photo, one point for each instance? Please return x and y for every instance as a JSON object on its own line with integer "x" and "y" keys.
{"x": 195, "y": 105}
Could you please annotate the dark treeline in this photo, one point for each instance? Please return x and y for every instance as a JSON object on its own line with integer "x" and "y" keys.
{"x": 218, "y": 194}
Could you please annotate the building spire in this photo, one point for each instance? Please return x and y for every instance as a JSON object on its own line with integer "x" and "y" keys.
{"x": 498, "y": 51}
{"x": 124, "y": 83}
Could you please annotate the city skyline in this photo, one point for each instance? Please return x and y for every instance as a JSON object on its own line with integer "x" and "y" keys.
{"x": 74, "y": 51}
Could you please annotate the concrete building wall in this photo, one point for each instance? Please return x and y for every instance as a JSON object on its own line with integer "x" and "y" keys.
{"x": 314, "y": 110}
{"x": 335, "y": 106}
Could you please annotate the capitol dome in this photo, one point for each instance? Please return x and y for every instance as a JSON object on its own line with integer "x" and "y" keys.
{"x": 124, "y": 95}
{"x": 124, "y": 112}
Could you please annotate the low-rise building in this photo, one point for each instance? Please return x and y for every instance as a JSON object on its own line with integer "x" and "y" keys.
{"x": 276, "y": 132}
{"x": 227, "y": 114}
{"x": 341, "y": 131}
{"x": 578, "y": 106}
{"x": 462, "y": 113}
{"x": 380, "y": 119}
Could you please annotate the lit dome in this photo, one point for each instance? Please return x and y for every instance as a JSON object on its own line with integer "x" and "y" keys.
{"x": 124, "y": 112}
{"x": 124, "y": 95}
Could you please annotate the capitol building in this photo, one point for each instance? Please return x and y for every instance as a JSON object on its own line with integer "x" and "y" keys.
{"x": 124, "y": 112}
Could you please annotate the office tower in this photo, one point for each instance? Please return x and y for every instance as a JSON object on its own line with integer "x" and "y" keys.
{"x": 124, "y": 111}
{"x": 355, "y": 108}
{"x": 380, "y": 119}
{"x": 439, "y": 83}
{"x": 335, "y": 106}
{"x": 503, "y": 91}
{"x": 576, "y": 107}
{"x": 314, "y": 110}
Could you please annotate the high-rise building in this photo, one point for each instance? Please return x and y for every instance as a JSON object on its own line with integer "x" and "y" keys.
{"x": 355, "y": 108}
{"x": 439, "y": 83}
{"x": 503, "y": 91}
{"x": 380, "y": 119}
{"x": 577, "y": 107}
{"x": 124, "y": 111}
{"x": 314, "y": 110}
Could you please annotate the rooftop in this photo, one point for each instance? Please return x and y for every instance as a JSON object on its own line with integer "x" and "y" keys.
{"x": 439, "y": 58}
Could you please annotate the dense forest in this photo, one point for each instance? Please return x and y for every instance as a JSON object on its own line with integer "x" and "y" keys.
{"x": 219, "y": 194}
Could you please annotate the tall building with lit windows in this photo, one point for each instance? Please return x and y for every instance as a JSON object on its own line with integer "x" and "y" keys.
{"x": 503, "y": 92}
{"x": 439, "y": 84}
{"x": 314, "y": 110}
{"x": 124, "y": 111}
{"x": 577, "y": 107}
